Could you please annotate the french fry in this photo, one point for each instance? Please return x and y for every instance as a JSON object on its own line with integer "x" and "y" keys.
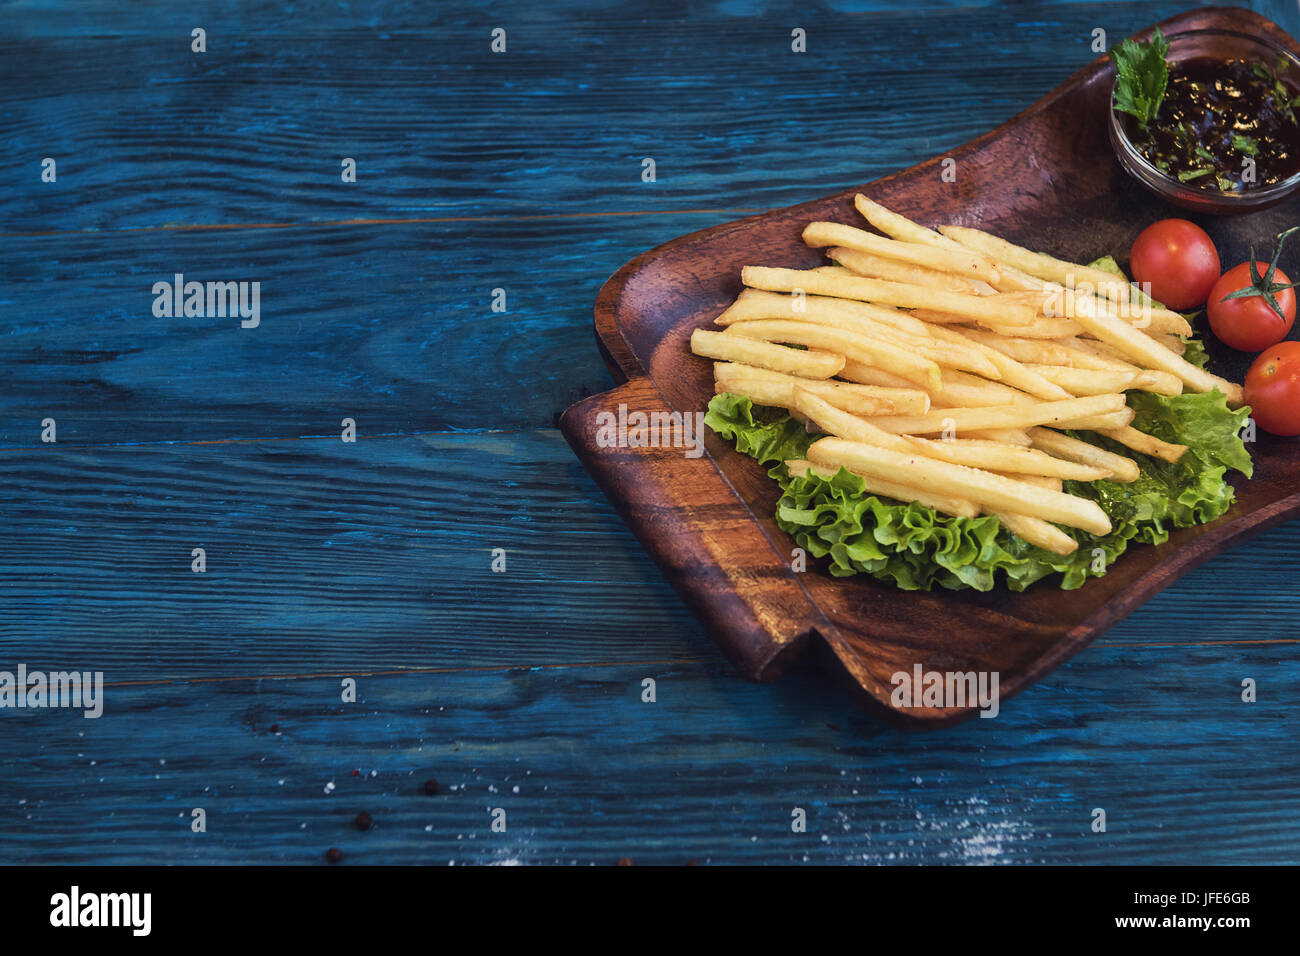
{"x": 1087, "y": 287}
{"x": 1104, "y": 355}
{"x": 1035, "y": 351}
{"x": 1171, "y": 341}
{"x": 896, "y": 270}
{"x": 756, "y": 304}
{"x": 956, "y": 390}
{"x": 1038, "y": 264}
{"x": 1067, "y": 303}
{"x": 1083, "y": 381}
{"x": 1042, "y": 481}
{"x": 1041, "y": 328}
{"x": 1146, "y": 444}
{"x": 864, "y": 374}
{"x": 935, "y": 317}
{"x": 1087, "y": 353}
{"x": 1006, "y": 459}
{"x": 997, "y": 308}
{"x": 813, "y": 363}
{"x": 960, "y": 262}
{"x": 825, "y": 312}
{"x": 1079, "y": 381}
{"x": 945, "y": 504}
{"x": 899, "y": 227}
{"x": 1097, "y": 422}
{"x": 991, "y": 456}
{"x": 1012, "y": 373}
{"x": 1081, "y": 356}
{"x": 995, "y": 492}
{"x": 1063, "y": 446}
{"x": 1161, "y": 383}
{"x": 1003, "y": 436}
{"x": 858, "y": 399}
{"x": 1150, "y": 354}
{"x": 1065, "y": 413}
{"x": 1038, "y": 532}
{"x": 837, "y": 422}
{"x": 781, "y": 395}
{"x": 901, "y": 361}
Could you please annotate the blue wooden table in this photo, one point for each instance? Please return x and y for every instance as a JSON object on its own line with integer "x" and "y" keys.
{"x": 331, "y": 563}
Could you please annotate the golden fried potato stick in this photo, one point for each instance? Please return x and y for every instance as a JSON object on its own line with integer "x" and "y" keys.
{"x": 992, "y": 456}
{"x": 858, "y": 399}
{"x": 1066, "y": 414}
{"x": 812, "y": 363}
{"x": 901, "y": 361}
{"x": 1038, "y": 264}
{"x": 1147, "y": 444}
{"x": 1038, "y": 532}
{"x": 945, "y": 504}
{"x": 997, "y": 308}
{"x": 1013, "y": 373}
{"x": 995, "y": 492}
{"x": 757, "y": 304}
{"x": 1006, "y": 459}
{"x": 1063, "y": 446}
{"x": 896, "y": 270}
{"x": 1150, "y": 354}
{"x": 959, "y": 261}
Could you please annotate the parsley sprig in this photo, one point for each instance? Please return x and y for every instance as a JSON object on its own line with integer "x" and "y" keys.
{"x": 1143, "y": 74}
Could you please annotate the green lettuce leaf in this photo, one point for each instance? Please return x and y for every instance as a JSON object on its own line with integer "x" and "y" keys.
{"x": 912, "y": 546}
{"x": 765, "y": 434}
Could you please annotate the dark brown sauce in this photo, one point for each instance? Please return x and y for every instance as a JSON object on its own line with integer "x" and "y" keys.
{"x": 1228, "y": 125}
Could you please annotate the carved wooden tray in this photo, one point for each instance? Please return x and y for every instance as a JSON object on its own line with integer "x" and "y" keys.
{"x": 1047, "y": 179}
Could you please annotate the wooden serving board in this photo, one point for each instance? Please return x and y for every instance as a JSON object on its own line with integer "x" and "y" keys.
{"x": 1046, "y": 179}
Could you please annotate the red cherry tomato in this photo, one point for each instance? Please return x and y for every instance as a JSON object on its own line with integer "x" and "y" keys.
{"x": 1178, "y": 260}
{"x": 1249, "y": 323}
{"x": 1273, "y": 389}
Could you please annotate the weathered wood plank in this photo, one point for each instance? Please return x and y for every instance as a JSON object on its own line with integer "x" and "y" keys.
{"x": 1159, "y": 739}
{"x": 390, "y": 326}
{"x": 254, "y": 130}
{"x": 326, "y": 556}
{"x": 350, "y": 559}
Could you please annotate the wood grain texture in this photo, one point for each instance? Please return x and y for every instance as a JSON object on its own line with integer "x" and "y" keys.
{"x": 322, "y": 556}
{"x": 326, "y": 557}
{"x": 391, "y": 326}
{"x": 1159, "y": 739}
{"x": 254, "y": 130}
{"x": 1046, "y": 179}
{"x": 354, "y": 556}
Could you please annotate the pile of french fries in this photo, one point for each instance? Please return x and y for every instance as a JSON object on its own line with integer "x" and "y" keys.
{"x": 944, "y": 367}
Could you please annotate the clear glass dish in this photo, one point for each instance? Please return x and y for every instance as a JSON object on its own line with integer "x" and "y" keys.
{"x": 1222, "y": 45}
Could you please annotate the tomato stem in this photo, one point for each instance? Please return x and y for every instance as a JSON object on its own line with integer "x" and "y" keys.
{"x": 1263, "y": 285}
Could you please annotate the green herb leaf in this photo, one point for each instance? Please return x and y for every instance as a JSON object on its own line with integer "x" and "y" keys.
{"x": 1188, "y": 175}
{"x": 1245, "y": 144}
{"x": 1142, "y": 75}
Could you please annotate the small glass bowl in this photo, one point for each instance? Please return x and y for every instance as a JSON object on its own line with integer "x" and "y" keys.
{"x": 1221, "y": 45}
